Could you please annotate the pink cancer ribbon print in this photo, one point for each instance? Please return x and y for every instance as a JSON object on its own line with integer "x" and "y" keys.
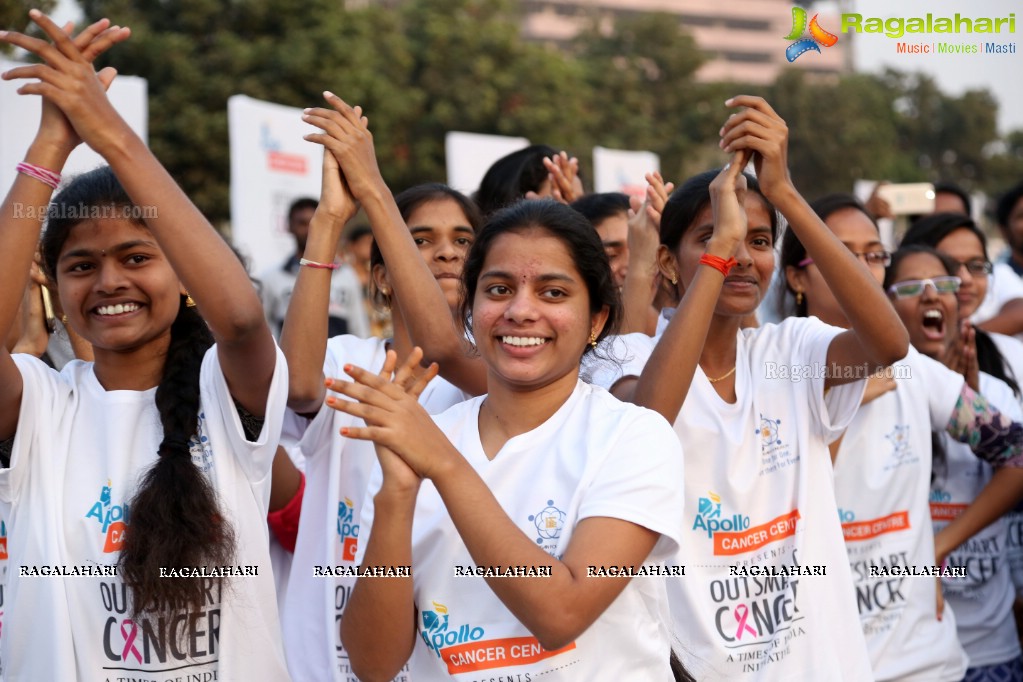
{"x": 741, "y": 613}
{"x": 129, "y": 641}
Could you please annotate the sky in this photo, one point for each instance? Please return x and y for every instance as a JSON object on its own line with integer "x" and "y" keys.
{"x": 1001, "y": 74}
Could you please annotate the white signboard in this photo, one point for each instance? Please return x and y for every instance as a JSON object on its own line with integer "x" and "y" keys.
{"x": 469, "y": 155}
{"x": 271, "y": 166}
{"x": 19, "y": 121}
{"x": 616, "y": 170}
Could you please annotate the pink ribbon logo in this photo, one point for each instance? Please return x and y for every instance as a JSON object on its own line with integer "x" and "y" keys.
{"x": 741, "y": 613}
{"x": 129, "y": 641}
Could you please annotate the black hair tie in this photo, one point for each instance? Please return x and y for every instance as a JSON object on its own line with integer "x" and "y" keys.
{"x": 174, "y": 446}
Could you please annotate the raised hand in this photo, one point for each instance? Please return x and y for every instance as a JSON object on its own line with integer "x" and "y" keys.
{"x": 336, "y": 198}
{"x": 961, "y": 355}
{"x": 406, "y": 437}
{"x": 68, "y": 83}
{"x": 563, "y": 174}
{"x": 727, "y": 201}
{"x": 657, "y": 193}
{"x": 346, "y": 134}
{"x": 757, "y": 128}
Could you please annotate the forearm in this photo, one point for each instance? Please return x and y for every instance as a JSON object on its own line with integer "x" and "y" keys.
{"x": 666, "y": 378}
{"x": 378, "y": 628}
{"x": 1008, "y": 321}
{"x": 999, "y": 496}
{"x": 554, "y": 609}
{"x": 304, "y": 335}
{"x": 873, "y": 320}
{"x": 228, "y": 301}
{"x": 426, "y": 311}
{"x": 637, "y": 297}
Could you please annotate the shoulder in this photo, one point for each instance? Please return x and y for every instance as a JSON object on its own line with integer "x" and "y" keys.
{"x": 611, "y": 419}
{"x": 457, "y": 416}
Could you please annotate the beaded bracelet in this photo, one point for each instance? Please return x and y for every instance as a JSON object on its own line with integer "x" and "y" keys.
{"x": 319, "y": 266}
{"x": 41, "y": 174}
{"x": 718, "y": 263}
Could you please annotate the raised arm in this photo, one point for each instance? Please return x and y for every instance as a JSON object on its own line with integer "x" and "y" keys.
{"x": 668, "y": 373}
{"x": 23, "y": 209}
{"x": 202, "y": 260}
{"x": 304, "y": 336}
{"x": 644, "y": 238}
{"x": 876, "y": 337}
{"x": 426, "y": 313}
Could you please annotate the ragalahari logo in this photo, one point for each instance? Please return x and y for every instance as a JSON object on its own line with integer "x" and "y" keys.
{"x": 818, "y": 36}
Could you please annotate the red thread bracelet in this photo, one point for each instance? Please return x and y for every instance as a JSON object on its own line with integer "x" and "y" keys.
{"x": 320, "y": 266}
{"x": 718, "y": 263}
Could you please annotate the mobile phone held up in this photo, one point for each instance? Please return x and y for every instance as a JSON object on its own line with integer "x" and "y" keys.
{"x": 911, "y": 198}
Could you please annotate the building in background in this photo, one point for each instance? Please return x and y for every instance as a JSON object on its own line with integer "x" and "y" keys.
{"x": 742, "y": 39}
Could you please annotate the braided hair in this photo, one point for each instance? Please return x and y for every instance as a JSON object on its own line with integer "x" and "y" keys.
{"x": 175, "y": 516}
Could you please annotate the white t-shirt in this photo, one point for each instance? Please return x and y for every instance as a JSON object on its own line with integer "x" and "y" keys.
{"x": 983, "y": 600}
{"x": 595, "y": 456}
{"x": 1011, "y": 349}
{"x": 337, "y": 475}
{"x": 882, "y": 486}
{"x": 79, "y": 453}
{"x": 760, "y": 495}
{"x": 1003, "y": 285}
{"x": 346, "y": 312}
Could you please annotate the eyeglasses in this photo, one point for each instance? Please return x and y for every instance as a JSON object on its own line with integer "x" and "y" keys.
{"x": 915, "y": 287}
{"x": 977, "y": 266}
{"x": 871, "y": 258}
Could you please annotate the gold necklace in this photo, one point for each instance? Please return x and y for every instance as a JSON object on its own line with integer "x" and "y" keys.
{"x": 723, "y": 376}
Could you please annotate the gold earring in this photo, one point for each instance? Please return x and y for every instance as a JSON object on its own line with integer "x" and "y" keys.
{"x": 63, "y": 319}
{"x": 593, "y": 340}
{"x": 189, "y": 301}
{"x": 674, "y": 279}
{"x": 799, "y": 298}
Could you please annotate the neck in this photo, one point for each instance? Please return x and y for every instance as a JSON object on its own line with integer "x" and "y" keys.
{"x": 718, "y": 354}
{"x": 138, "y": 369}
{"x": 511, "y": 411}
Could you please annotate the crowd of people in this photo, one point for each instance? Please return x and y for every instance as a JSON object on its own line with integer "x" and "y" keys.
{"x": 533, "y": 434}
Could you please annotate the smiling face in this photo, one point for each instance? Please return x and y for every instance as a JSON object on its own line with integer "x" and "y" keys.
{"x": 117, "y": 288}
{"x": 531, "y": 316}
{"x": 964, "y": 246}
{"x": 748, "y": 280}
{"x": 931, "y": 318}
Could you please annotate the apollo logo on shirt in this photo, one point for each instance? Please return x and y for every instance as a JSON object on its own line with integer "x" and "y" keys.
{"x": 854, "y": 530}
{"x": 464, "y": 650}
{"x": 113, "y": 519}
{"x": 347, "y": 529}
{"x": 733, "y": 535}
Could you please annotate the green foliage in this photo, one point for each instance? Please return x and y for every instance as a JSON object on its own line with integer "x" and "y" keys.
{"x": 14, "y": 16}
{"x": 421, "y": 68}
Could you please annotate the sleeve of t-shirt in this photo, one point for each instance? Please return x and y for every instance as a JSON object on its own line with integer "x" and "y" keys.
{"x": 641, "y": 480}
{"x": 809, "y": 339}
{"x": 618, "y": 357}
{"x": 1006, "y": 285}
{"x": 254, "y": 457}
{"x": 941, "y": 384}
{"x": 44, "y": 394}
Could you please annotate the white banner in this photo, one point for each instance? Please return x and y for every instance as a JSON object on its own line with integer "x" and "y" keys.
{"x": 616, "y": 170}
{"x": 469, "y": 155}
{"x": 19, "y": 121}
{"x": 271, "y": 166}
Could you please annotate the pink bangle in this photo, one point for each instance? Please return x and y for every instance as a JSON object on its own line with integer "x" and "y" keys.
{"x": 43, "y": 175}
{"x": 320, "y": 266}
{"x": 718, "y": 263}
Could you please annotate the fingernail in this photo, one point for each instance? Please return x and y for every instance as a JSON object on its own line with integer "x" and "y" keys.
{"x": 348, "y": 368}
{"x": 3, "y": 33}
{"x": 34, "y": 13}
{"x": 328, "y": 94}
{"x": 328, "y": 382}
{"x": 330, "y": 400}
{"x": 728, "y": 102}
{"x": 344, "y": 430}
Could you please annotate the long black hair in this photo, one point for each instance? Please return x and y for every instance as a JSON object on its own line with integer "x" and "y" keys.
{"x": 175, "y": 517}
